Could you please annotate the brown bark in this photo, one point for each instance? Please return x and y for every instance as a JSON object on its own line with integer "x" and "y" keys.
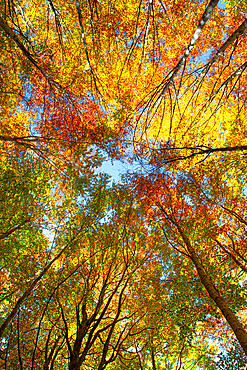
{"x": 153, "y": 358}
{"x": 213, "y": 292}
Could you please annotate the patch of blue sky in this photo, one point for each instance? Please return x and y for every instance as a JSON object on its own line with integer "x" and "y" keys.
{"x": 222, "y": 4}
{"x": 115, "y": 169}
{"x": 204, "y": 57}
{"x": 50, "y": 235}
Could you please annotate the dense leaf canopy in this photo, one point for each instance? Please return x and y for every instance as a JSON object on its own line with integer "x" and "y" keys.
{"x": 144, "y": 272}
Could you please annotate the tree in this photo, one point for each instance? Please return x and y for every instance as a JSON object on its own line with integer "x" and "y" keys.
{"x": 184, "y": 232}
{"x": 162, "y": 86}
{"x": 96, "y": 272}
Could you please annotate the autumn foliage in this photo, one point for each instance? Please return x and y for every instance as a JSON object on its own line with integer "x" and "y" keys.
{"x": 146, "y": 272}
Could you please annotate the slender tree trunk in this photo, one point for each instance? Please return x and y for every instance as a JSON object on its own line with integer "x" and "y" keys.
{"x": 205, "y": 17}
{"x": 153, "y": 358}
{"x": 213, "y": 292}
{"x": 230, "y": 317}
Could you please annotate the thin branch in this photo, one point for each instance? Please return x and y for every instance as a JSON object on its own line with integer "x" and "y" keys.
{"x": 21, "y": 46}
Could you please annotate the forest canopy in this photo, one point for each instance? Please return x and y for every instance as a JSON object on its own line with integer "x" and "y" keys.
{"x": 144, "y": 272}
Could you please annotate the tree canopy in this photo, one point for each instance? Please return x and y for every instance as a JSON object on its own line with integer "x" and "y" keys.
{"x": 148, "y": 272}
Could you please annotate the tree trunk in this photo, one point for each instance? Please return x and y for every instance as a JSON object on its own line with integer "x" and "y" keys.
{"x": 213, "y": 292}
{"x": 153, "y": 358}
{"x": 74, "y": 363}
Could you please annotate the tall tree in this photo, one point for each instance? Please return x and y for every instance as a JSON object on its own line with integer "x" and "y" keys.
{"x": 190, "y": 227}
{"x": 159, "y": 82}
